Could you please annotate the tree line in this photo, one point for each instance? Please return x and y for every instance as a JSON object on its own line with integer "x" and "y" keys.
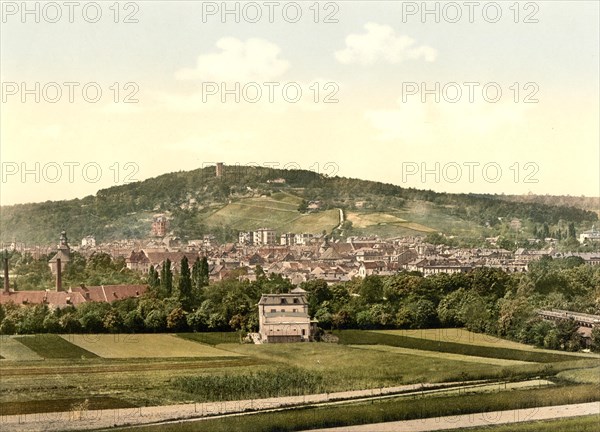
{"x": 485, "y": 300}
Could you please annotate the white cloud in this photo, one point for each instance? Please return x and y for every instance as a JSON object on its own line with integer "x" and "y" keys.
{"x": 251, "y": 60}
{"x": 381, "y": 42}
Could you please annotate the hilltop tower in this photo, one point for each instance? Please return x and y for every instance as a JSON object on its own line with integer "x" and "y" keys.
{"x": 219, "y": 170}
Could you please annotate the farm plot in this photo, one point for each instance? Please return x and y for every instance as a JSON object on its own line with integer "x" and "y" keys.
{"x": 144, "y": 346}
{"x": 52, "y": 346}
{"x": 11, "y": 349}
{"x": 447, "y": 356}
{"x": 462, "y": 336}
{"x": 346, "y": 367}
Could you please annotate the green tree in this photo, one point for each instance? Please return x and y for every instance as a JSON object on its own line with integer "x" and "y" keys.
{"x": 371, "y": 289}
{"x": 176, "y": 320}
{"x": 571, "y": 231}
{"x": 595, "y": 346}
{"x": 303, "y": 207}
{"x": 166, "y": 279}
{"x": 184, "y": 288}
{"x": 153, "y": 279}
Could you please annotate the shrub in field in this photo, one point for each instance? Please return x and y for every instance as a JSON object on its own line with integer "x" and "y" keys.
{"x": 261, "y": 384}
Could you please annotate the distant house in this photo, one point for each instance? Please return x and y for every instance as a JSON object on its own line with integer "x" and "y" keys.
{"x": 73, "y": 296}
{"x": 88, "y": 242}
{"x": 159, "y": 226}
{"x": 284, "y": 318}
{"x": 589, "y": 236}
{"x": 263, "y": 236}
{"x": 138, "y": 261}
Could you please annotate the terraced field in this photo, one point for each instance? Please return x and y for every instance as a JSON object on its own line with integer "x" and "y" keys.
{"x": 280, "y": 214}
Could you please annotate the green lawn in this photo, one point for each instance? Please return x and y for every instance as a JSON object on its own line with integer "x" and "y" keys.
{"x": 350, "y": 368}
{"x": 357, "y": 337}
{"x": 462, "y": 336}
{"x": 12, "y": 349}
{"x": 588, "y": 375}
{"x": 53, "y": 347}
{"x": 213, "y": 338}
{"x": 143, "y": 346}
{"x": 442, "y": 355}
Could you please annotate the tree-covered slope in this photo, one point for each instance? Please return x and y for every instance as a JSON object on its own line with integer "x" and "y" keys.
{"x": 197, "y": 202}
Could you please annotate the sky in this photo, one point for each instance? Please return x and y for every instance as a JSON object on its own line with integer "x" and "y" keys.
{"x": 483, "y": 97}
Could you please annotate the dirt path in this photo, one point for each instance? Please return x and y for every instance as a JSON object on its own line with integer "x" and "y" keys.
{"x": 479, "y": 419}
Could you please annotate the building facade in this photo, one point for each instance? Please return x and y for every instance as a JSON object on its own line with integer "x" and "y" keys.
{"x": 284, "y": 318}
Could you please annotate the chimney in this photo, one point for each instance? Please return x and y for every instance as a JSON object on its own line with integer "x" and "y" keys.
{"x": 6, "y": 284}
{"x": 58, "y": 275}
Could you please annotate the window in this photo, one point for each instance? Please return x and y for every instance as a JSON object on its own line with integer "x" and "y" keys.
{"x": 303, "y": 332}
{"x": 295, "y": 310}
{"x": 273, "y": 310}
{"x": 282, "y": 310}
{"x": 295, "y": 300}
{"x": 282, "y": 301}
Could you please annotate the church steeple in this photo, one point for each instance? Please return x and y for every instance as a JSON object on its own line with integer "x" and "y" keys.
{"x": 63, "y": 242}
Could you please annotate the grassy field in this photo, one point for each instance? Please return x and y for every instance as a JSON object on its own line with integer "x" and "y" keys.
{"x": 587, "y": 375}
{"x": 385, "y": 410}
{"x": 53, "y": 347}
{"x": 143, "y": 346}
{"x": 142, "y": 382}
{"x": 577, "y": 424}
{"x": 436, "y": 217}
{"x": 357, "y": 337}
{"x": 350, "y": 368}
{"x": 213, "y": 338}
{"x": 12, "y": 349}
{"x": 133, "y": 377}
{"x": 280, "y": 212}
{"x": 442, "y": 355}
{"x": 462, "y": 336}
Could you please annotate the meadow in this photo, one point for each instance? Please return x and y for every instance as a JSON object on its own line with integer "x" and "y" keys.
{"x": 466, "y": 337}
{"x": 162, "y": 369}
{"x": 126, "y": 346}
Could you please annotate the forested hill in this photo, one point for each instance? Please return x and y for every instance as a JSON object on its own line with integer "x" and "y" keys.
{"x": 192, "y": 198}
